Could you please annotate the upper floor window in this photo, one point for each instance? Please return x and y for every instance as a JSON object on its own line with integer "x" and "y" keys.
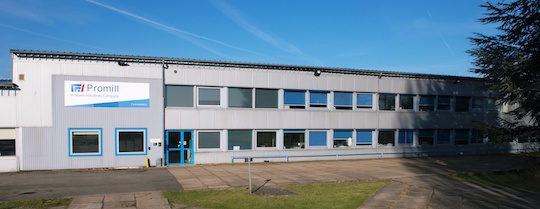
{"x": 266, "y": 98}
{"x": 427, "y": 103}
{"x": 343, "y": 100}
{"x": 406, "y": 102}
{"x": 209, "y": 96}
{"x": 477, "y": 104}
{"x": 295, "y": 99}
{"x": 387, "y": 102}
{"x": 318, "y": 98}
{"x": 364, "y": 101}
{"x": 462, "y": 104}
{"x": 178, "y": 96}
{"x": 240, "y": 97}
{"x": 444, "y": 103}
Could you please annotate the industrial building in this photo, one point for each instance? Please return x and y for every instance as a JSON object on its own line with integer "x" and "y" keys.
{"x": 76, "y": 110}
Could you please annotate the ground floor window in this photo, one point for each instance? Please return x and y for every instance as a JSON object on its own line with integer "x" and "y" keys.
{"x": 426, "y": 137}
{"x": 266, "y": 138}
{"x": 294, "y": 139}
{"x": 443, "y": 136}
{"x": 405, "y": 136}
{"x": 317, "y": 138}
{"x": 364, "y": 137}
{"x": 342, "y": 138}
{"x": 7, "y": 147}
{"x": 85, "y": 141}
{"x": 240, "y": 139}
{"x": 461, "y": 136}
{"x": 209, "y": 140}
{"x": 130, "y": 141}
{"x": 477, "y": 137}
{"x": 387, "y": 137}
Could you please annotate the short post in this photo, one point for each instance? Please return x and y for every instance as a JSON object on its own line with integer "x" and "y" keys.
{"x": 249, "y": 163}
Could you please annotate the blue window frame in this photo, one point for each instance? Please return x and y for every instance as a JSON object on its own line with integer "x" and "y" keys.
{"x": 443, "y": 136}
{"x": 85, "y": 142}
{"x": 295, "y": 98}
{"x": 317, "y": 138}
{"x": 427, "y": 103}
{"x": 405, "y": 136}
{"x": 364, "y": 100}
{"x": 364, "y": 137}
{"x": 129, "y": 141}
{"x": 318, "y": 98}
{"x": 341, "y": 137}
{"x": 343, "y": 100}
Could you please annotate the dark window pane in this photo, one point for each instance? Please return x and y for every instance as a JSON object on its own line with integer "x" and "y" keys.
{"x": 295, "y": 97}
{"x": 343, "y": 99}
{"x": 443, "y": 136}
{"x": 266, "y": 98}
{"x": 386, "y": 137}
{"x": 179, "y": 96}
{"x": 425, "y": 137}
{"x": 187, "y": 139}
{"x": 387, "y": 102}
{"x": 364, "y": 100}
{"x": 341, "y": 137}
{"x": 461, "y": 136}
{"x": 317, "y": 138}
{"x": 209, "y": 96}
{"x": 266, "y": 139}
{"x": 444, "y": 103}
{"x": 85, "y": 143}
{"x": 174, "y": 156}
{"x": 318, "y": 98}
{"x": 364, "y": 137}
{"x": 478, "y": 104}
{"x": 7, "y": 147}
{"x": 294, "y": 140}
{"x": 427, "y": 103}
{"x": 240, "y": 97}
{"x": 209, "y": 140}
{"x": 406, "y": 102}
{"x": 477, "y": 136}
{"x": 239, "y": 139}
{"x": 130, "y": 141}
{"x": 174, "y": 140}
{"x": 405, "y": 136}
{"x": 462, "y": 104}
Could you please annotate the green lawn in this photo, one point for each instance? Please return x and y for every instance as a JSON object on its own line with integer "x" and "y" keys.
{"x": 38, "y": 204}
{"x": 342, "y": 195}
{"x": 525, "y": 181}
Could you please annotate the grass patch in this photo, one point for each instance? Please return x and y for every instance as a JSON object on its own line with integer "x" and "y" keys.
{"x": 341, "y": 195}
{"x": 525, "y": 181}
{"x": 37, "y": 204}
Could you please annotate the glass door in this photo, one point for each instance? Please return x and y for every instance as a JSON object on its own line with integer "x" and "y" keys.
{"x": 179, "y": 147}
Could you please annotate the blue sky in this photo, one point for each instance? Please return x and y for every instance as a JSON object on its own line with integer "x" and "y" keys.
{"x": 422, "y": 36}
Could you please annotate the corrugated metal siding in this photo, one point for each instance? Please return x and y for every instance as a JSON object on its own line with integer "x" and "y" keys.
{"x": 47, "y": 148}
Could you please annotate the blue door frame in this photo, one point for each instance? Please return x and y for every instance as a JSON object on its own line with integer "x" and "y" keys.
{"x": 181, "y": 149}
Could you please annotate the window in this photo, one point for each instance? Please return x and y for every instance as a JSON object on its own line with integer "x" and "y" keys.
{"x": 406, "y": 102}
{"x": 364, "y": 101}
{"x": 462, "y": 104}
{"x": 7, "y": 147}
{"x": 179, "y": 96}
{"x": 130, "y": 141}
{"x": 209, "y": 96}
{"x": 85, "y": 142}
{"x": 492, "y": 105}
{"x": 343, "y": 100}
{"x": 444, "y": 103}
{"x": 443, "y": 136}
{"x": 477, "y": 137}
{"x": 295, "y": 99}
{"x": 405, "y": 136}
{"x": 240, "y": 139}
{"x": 266, "y": 98}
{"x": 266, "y": 139}
{"x": 317, "y": 138}
{"x": 426, "y": 137}
{"x": 477, "y": 104}
{"x": 209, "y": 140}
{"x": 342, "y": 138}
{"x": 387, "y": 102}
{"x": 294, "y": 139}
{"x": 364, "y": 137}
{"x": 427, "y": 103}
{"x": 318, "y": 98}
{"x": 240, "y": 97}
{"x": 387, "y": 137}
{"x": 461, "y": 136}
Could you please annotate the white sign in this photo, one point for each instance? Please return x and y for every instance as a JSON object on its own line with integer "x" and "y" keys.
{"x": 155, "y": 140}
{"x": 106, "y": 94}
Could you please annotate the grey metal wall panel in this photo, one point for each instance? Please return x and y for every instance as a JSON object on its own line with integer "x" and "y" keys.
{"x": 47, "y": 148}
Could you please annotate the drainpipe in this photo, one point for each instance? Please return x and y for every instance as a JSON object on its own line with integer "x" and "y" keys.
{"x": 164, "y": 66}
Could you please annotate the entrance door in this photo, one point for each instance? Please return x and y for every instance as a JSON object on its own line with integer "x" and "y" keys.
{"x": 179, "y": 147}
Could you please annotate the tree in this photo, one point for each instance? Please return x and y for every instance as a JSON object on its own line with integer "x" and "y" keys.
{"x": 510, "y": 60}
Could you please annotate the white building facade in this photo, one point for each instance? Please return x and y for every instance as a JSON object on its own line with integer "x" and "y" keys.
{"x": 72, "y": 110}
